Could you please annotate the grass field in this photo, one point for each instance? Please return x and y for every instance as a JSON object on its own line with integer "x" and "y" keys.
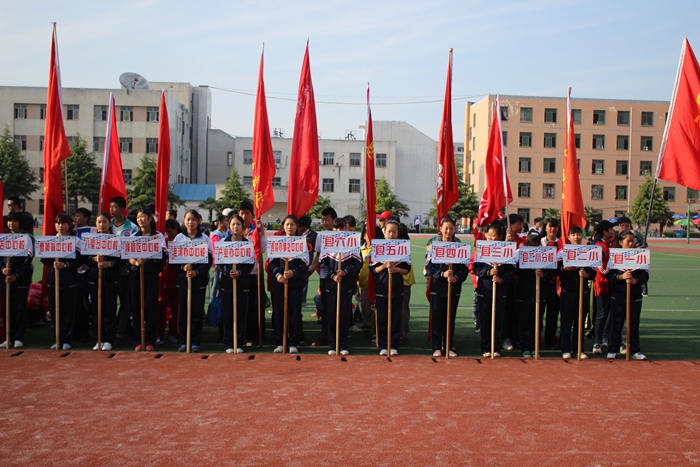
{"x": 670, "y": 325}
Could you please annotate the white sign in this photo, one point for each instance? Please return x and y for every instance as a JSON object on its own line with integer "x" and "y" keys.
{"x": 537, "y": 257}
{"x": 394, "y": 251}
{"x": 449, "y": 253}
{"x": 194, "y": 252}
{"x": 496, "y": 252}
{"x": 582, "y": 256}
{"x": 345, "y": 243}
{"x": 288, "y": 248}
{"x": 150, "y": 247}
{"x": 234, "y": 253}
{"x": 12, "y": 245}
{"x": 100, "y": 244}
{"x": 629, "y": 258}
{"x": 55, "y": 247}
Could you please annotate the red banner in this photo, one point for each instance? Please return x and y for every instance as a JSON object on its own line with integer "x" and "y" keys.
{"x": 370, "y": 193}
{"x": 263, "y": 157}
{"x": 112, "y": 183}
{"x": 162, "y": 166}
{"x": 447, "y": 189}
{"x": 572, "y": 212}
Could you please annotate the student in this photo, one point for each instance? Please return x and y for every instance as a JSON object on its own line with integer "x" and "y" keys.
{"x": 442, "y": 275}
{"x": 605, "y": 238}
{"x": 408, "y": 281}
{"x": 525, "y": 298}
{"x": 172, "y": 214}
{"x": 123, "y": 227}
{"x": 363, "y": 280}
{"x": 328, "y": 215}
{"x": 511, "y": 334}
{"x": 110, "y": 266}
{"x": 569, "y": 278}
{"x": 294, "y": 278}
{"x": 151, "y": 271}
{"x": 550, "y": 237}
{"x": 219, "y": 232}
{"x": 68, "y": 277}
{"x": 381, "y": 272}
{"x": 168, "y": 297}
{"x": 81, "y": 217}
{"x": 17, "y": 277}
{"x": 304, "y": 230}
{"x": 618, "y": 281}
{"x": 488, "y": 275}
{"x": 254, "y": 231}
{"x": 345, "y": 275}
{"x": 625, "y": 223}
{"x": 227, "y": 275}
{"x": 199, "y": 275}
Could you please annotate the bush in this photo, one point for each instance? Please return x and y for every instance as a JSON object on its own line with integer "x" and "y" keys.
{"x": 429, "y": 230}
{"x": 669, "y": 233}
{"x": 275, "y": 227}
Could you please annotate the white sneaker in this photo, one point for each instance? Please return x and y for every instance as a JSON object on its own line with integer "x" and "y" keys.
{"x": 486, "y": 354}
{"x": 278, "y": 349}
{"x": 230, "y": 350}
{"x": 354, "y": 328}
{"x": 240, "y": 350}
{"x": 566, "y": 355}
{"x": 583, "y": 356}
{"x": 293, "y": 349}
{"x": 97, "y": 347}
{"x": 344, "y": 352}
{"x": 496, "y": 354}
{"x": 331, "y": 352}
{"x": 394, "y": 352}
{"x": 611, "y": 356}
{"x": 639, "y": 356}
{"x": 3, "y": 345}
{"x": 53, "y": 347}
{"x": 106, "y": 346}
{"x": 507, "y": 345}
{"x": 597, "y": 349}
{"x": 383, "y": 353}
{"x": 19, "y": 344}
{"x": 437, "y": 353}
{"x": 66, "y": 346}
{"x": 452, "y": 353}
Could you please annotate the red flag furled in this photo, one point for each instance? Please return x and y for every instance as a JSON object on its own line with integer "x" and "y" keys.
{"x": 370, "y": 192}
{"x": 112, "y": 183}
{"x": 303, "y": 174}
{"x": 56, "y": 147}
{"x": 162, "y": 166}
{"x": 447, "y": 190}
{"x": 263, "y": 158}
{"x": 497, "y": 194}
{"x": 572, "y": 212}
{"x": 679, "y": 155}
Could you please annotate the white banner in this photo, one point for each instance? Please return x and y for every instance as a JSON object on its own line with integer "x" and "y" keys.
{"x": 629, "y": 258}
{"x": 496, "y": 252}
{"x": 150, "y": 247}
{"x": 287, "y": 248}
{"x": 339, "y": 241}
{"x": 12, "y": 245}
{"x": 234, "y": 253}
{"x": 582, "y": 256}
{"x": 55, "y": 247}
{"x": 449, "y": 253}
{"x": 194, "y": 252}
{"x": 537, "y": 257}
{"x": 394, "y": 251}
{"x": 100, "y": 244}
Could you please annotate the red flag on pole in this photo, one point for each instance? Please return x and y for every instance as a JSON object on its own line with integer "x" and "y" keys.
{"x": 370, "y": 192}
{"x": 679, "y": 154}
{"x": 162, "y": 166}
{"x": 447, "y": 190}
{"x": 303, "y": 175}
{"x": 56, "y": 147}
{"x": 263, "y": 158}
{"x": 112, "y": 183}
{"x": 497, "y": 194}
{"x": 572, "y": 212}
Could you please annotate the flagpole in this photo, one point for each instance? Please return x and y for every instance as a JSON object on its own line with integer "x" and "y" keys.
{"x": 503, "y": 154}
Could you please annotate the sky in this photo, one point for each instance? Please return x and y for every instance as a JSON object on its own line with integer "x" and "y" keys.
{"x": 602, "y": 49}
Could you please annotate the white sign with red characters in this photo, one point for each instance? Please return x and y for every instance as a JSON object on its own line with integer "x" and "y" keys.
{"x": 495, "y": 252}
{"x": 345, "y": 243}
{"x": 234, "y": 253}
{"x": 288, "y": 248}
{"x": 449, "y": 253}
{"x": 12, "y": 245}
{"x": 537, "y": 257}
{"x": 100, "y": 244}
{"x": 582, "y": 256}
{"x": 55, "y": 247}
{"x": 629, "y": 258}
{"x": 194, "y": 252}
{"x": 393, "y": 251}
{"x": 150, "y": 247}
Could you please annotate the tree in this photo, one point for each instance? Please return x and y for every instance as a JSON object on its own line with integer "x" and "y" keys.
{"x": 593, "y": 215}
{"x": 233, "y": 193}
{"x": 467, "y": 205}
{"x": 20, "y": 180}
{"x": 209, "y": 204}
{"x": 551, "y": 213}
{"x": 388, "y": 201}
{"x": 82, "y": 173}
{"x": 144, "y": 191}
{"x": 660, "y": 212}
{"x": 318, "y": 207}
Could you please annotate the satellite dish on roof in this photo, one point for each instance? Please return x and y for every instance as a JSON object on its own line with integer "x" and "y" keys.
{"x": 134, "y": 81}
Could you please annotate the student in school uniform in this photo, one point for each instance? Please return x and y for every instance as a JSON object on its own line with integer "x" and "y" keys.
{"x": 525, "y": 298}
{"x": 81, "y": 218}
{"x": 605, "y": 238}
{"x": 408, "y": 281}
{"x": 550, "y": 237}
{"x": 123, "y": 227}
{"x": 254, "y": 230}
{"x": 511, "y": 334}
{"x": 168, "y": 298}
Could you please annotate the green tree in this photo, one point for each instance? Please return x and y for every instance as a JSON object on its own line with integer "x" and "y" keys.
{"x": 233, "y": 193}
{"x": 20, "y": 180}
{"x": 82, "y": 173}
{"x": 144, "y": 191}
{"x": 388, "y": 201}
{"x": 318, "y": 207}
{"x": 551, "y": 213}
{"x": 660, "y": 212}
{"x": 593, "y": 216}
{"x": 209, "y": 204}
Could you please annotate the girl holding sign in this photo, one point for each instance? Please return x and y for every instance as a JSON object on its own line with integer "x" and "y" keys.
{"x": 151, "y": 270}
{"x": 525, "y": 292}
{"x": 618, "y": 281}
{"x": 199, "y": 276}
{"x": 227, "y": 275}
{"x": 443, "y": 274}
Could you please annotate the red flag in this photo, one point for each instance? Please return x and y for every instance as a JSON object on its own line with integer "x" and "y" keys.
{"x": 263, "y": 158}
{"x": 370, "y": 192}
{"x": 497, "y": 185}
{"x": 572, "y": 212}
{"x": 56, "y": 147}
{"x": 112, "y": 174}
{"x": 679, "y": 156}
{"x": 162, "y": 166}
{"x": 303, "y": 175}
{"x": 447, "y": 190}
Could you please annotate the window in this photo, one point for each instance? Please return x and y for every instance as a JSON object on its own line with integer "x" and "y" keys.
{"x": 647, "y": 143}
{"x": 621, "y": 167}
{"x": 550, "y": 165}
{"x": 526, "y": 115}
{"x": 620, "y": 213}
{"x": 504, "y": 138}
{"x": 596, "y": 192}
{"x": 151, "y": 145}
{"x": 21, "y": 142}
{"x": 692, "y": 194}
{"x": 41, "y": 175}
{"x": 125, "y": 144}
{"x": 525, "y": 164}
{"x": 474, "y": 120}
{"x": 21, "y": 111}
{"x": 127, "y": 114}
{"x": 380, "y": 159}
{"x": 548, "y": 190}
{"x": 152, "y": 114}
{"x": 248, "y": 180}
{"x": 247, "y": 156}
{"x": 98, "y": 144}
{"x": 277, "y": 156}
{"x": 355, "y": 159}
{"x": 645, "y": 168}
{"x": 72, "y": 112}
{"x": 620, "y": 192}
{"x": 100, "y": 113}
{"x": 550, "y": 115}
{"x": 474, "y": 143}
{"x": 41, "y": 143}
{"x": 229, "y": 159}
{"x": 70, "y": 141}
{"x": 276, "y": 181}
{"x": 598, "y": 141}
{"x": 328, "y": 158}
{"x": 328, "y": 185}
{"x": 473, "y": 167}
{"x": 525, "y": 214}
{"x": 504, "y": 113}
{"x": 42, "y": 112}
{"x": 670, "y": 193}
{"x": 41, "y": 206}
{"x": 623, "y": 117}
{"x": 623, "y": 142}
{"x": 127, "y": 176}
{"x": 577, "y": 116}
{"x": 577, "y": 140}
{"x": 598, "y": 167}
{"x": 525, "y": 139}
{"x": 550, "y": 140}
{"x": 599, "y": 117}
{"x": 647, "y": 118}
{"x": 354, "y": 185}
{"x": 523, "y": 190}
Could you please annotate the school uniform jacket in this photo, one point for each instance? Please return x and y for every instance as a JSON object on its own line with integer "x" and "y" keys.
{"x": 569, "y": 280}
{"x": 225, "y": 281}
{"x": 381, "y": 281}
{"x": 618, "y": 288}
{"x": 485, "y": 285}
{"x": 68, "y": 276}
{"x": 202, "y": 269}
{"x": 21, "y": 267}
{"x": 150, "y": 266}
{"x": 351, "y": 266}
{"x": 438, "y": 283}
{"x": 297, "y": 266}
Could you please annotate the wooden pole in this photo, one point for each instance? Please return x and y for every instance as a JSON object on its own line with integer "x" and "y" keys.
{"x": 388, "y": 314}
{"x": 579, "y": 331}
{"x": 235, "y": 311}
{"x": 337, "y": 309}
{"x": 493, "y": 320}
{"x": 285, "y": 325}
{"x": 449, "y": 315}
{"x": 189, "y": 313}
{"x": 627, "y": 318}
{"x": 260, "y": 304}
{"x": 7, "y": 304}
{"x": 99, "y": 308}
{"x": 376, "y": 324}
{"x": 57, "y": 314}
{"x": 537, "y": 316}
{"x": 143, "y": 308}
